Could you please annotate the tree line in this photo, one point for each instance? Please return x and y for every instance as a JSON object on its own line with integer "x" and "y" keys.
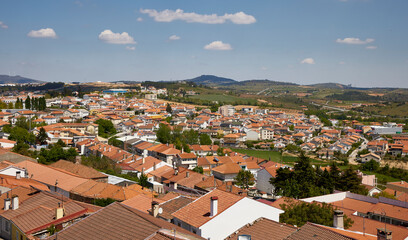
{"x": 181, "y": 139}
{"x": 38, "y": 104}
{"x": 305, "y": 181}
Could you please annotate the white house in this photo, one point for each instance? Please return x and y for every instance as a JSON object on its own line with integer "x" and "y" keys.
{"x": 264, "y": 175}
{"x": 253, "y": 135}
{"x": 218, "y": 214}
{"x": 5, "y": 143}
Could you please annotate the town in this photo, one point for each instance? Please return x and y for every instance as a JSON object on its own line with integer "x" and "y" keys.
{"x": 126, "y": 162}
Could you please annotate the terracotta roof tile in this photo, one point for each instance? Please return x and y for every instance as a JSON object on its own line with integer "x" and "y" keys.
{"x": 264, "y": 228}
{"x": 198, "y": 212}
{"x": 118, "y": 221}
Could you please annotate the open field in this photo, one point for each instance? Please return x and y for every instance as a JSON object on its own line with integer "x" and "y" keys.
{"x": 274, "y": 156}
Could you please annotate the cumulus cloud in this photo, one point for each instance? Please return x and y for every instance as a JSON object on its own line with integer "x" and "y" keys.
{"x": 174, "y": 37}
{"x": 356, "y": 41}
{"x": 2, "y": 25}
{"x": 308, "y": 61}
{"x": 42, "y": 33}
{"x": 218, "y": 45}
{"x": 108, "y": 36}
{"x": 130, "y": 48}
{"x": 139, "y": 19}
{"x": 371, "y": 47}
{"x": 192, "y": 17}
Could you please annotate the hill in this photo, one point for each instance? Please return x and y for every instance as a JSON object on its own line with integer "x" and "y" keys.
{"x": 6, "y": 79}
{"x": 330, "y": 86}
{"x": 211, "y": 80}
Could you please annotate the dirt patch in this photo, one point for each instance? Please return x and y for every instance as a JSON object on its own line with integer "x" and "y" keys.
{"x": 394, "y": 163}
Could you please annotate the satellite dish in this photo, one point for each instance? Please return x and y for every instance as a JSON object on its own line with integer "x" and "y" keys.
{"x": 160, "y": 210}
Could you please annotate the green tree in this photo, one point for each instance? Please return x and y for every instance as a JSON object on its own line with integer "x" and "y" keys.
{"x": 27, "y": 103}
{"x": 103, "y": 202}
{"x": 186, "y": 148}
{"x": 220, "y": 151}
{"x": 371, "y": 165}
{"x": 42, "y": 136}
{"x": 164, "y": 134}
{"x": 42, "y": 104}
{"x": 214, "y": 108}
{"x": 350, "y": 181}
{"x": 244, "y": 179}
{"x": 190, "y": 137}
{"x": 115, "y": 142}
{"x": 384, "y": 194}
{"x": 143, "y": 180}
{"x": 105, "y": 128}
{"x": 168, "y": 108}
{"x": 205, "y": 139}
{"x": 198, "y": 169}
{"x": 320, "y": 213}
{"x": 21, "y": 135}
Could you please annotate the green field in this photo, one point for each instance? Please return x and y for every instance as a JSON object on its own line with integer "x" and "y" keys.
{"x": 273, "y": 156}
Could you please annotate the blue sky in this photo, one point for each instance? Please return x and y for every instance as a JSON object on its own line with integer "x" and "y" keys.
{"x": 358, "y": 42}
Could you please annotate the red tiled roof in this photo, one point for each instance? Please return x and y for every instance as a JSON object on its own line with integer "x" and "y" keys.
{"x": 198, "y": 212}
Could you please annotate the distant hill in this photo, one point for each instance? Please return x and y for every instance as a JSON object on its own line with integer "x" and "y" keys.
{"x": 330, "y": 85}
{"x": 260, "y": 81}
{"x": 211, "y": 80}
{"x": 5, "y": 79}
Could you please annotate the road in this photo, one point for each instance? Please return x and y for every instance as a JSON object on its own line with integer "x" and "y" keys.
{"x": 353, "y": 155}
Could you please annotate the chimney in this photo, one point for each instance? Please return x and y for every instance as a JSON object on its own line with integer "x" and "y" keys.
{"x": 338, "y": 221}
{"x": 124, "y": 156}
{"x": 155, "y": 209}
{"x": 59, "y": 212}
{"x": 187, "y": 174}
{"x": 384, "y": 234}
{"x": 7, "y": 203}
{"x": 18, "y": 175}
{"x": 214, "y": 206}
{"x": 244, "y": 237}
{"x": 154, "y": 166}
{"x": 14, "y": 202}
{"x": 143, "y": 160}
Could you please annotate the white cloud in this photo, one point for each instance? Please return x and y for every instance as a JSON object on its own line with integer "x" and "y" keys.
{"x": 130, "y": 48}
{"x": 108, "y": 36}
{"x": 357, "y": 41}
{"x": 371, "y": 47}
{"x": 218, "y": 45}
{"x": 308, "y": 61}
{"x": 2, "y": 25}
{"x": 139, "y": 19}
{"x": 174, "y": 37}
{"x": 264, "y": 68}
{"x": 79, "y": 3}
{"x": 192, "y": 17}
{"x": 42, "y": 33}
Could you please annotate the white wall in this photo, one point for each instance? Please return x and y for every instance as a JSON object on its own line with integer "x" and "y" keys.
{"x": 11, "y": 171}
{"x": 7, "y": 145}
{"x": 244, "y": 211}
{"x": 329, "y": 198}
{"x": 262, "y": 182}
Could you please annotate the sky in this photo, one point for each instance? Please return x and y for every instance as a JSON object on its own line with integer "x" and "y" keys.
{"x": 359, "y": 42}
